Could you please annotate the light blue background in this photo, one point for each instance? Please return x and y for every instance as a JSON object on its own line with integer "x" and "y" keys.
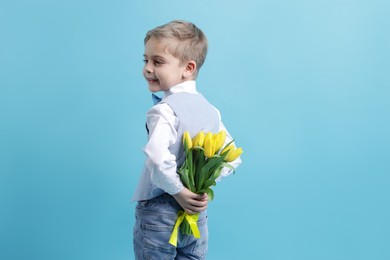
{"x": 303, "y": 86}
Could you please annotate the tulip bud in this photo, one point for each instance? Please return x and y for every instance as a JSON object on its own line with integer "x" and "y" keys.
{"x": 219, "y": 140}
{"x": 198, "y": 140}
{"x": 209, "y": 135}
{"x": 233, "y": 154}
{"x": 228, "y": 148}
{"x": 187, "y": 142}
{"x": 208, "y": 145}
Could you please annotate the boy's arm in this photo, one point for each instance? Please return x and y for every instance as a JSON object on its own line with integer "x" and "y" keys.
{"x": 161, "y": 123}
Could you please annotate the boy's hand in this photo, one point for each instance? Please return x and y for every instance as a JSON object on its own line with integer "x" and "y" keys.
{"x": 191, "y": 202}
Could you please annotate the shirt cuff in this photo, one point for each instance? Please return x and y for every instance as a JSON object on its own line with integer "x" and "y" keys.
{"x": 175, "y": 190}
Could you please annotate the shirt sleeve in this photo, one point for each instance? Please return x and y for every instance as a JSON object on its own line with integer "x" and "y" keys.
{"x": 161, "y": 122}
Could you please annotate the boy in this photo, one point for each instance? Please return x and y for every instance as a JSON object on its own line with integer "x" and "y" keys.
{"x": 174, "y": 53}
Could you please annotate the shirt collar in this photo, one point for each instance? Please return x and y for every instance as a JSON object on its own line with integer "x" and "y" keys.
{"x": 186, "y": 86}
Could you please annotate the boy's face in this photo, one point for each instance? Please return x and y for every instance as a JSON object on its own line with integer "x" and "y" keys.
{"x": 162, "y": 70}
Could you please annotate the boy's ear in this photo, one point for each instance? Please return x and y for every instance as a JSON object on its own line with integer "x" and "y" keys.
{"x": 190, "y": 69}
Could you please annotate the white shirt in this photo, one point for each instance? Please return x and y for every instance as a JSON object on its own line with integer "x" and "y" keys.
{"x": 162, "y": 124}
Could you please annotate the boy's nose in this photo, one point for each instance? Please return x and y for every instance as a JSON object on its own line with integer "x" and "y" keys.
{"x": 148, "y": 69}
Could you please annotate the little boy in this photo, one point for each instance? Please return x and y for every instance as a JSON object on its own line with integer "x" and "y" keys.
{"x": 174, "y": 53}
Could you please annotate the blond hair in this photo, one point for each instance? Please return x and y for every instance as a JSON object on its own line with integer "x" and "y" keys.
{"x": 191, "y": 43}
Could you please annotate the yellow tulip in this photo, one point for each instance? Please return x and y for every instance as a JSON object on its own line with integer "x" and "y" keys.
{"x": 219, "y": 140}
{"x": 198, "y": 140}
{"x": 228, "y": 148}
{"x": 233, "y": 154}
{"x": 209, "y": 145}
{"x": 208, "y": 136}
{"x": 187, "y": 142}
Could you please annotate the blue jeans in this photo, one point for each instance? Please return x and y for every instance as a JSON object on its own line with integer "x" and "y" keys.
{"x": 154, "y": 224}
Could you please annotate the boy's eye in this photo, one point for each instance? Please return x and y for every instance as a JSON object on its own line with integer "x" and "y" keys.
{"x": 158, "y": 62}
{"x": 145, "y": 60}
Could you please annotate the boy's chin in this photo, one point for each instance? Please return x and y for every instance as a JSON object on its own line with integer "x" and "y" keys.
{"x": 154, "y": 88}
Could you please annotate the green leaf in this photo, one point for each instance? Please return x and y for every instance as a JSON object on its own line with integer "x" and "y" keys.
{"x": 213, "y": 162}
{"x": 216, "y": 173}
{"x": 208, "y": 169}
{"x": 199, "y": 161}
{"x": 190, "y": 167}
{"x": 184, "y": 178}
{"x": 224, "y": 164}
{"x": 208, "y": 184}
{"x": 210, "y": 194}
{"x": 211, "y": 181}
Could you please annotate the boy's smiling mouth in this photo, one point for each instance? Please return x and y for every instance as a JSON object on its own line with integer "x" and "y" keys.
{"x": 150, "y": 80}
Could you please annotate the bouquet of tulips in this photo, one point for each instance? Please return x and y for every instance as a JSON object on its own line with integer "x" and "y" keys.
{"x": 206, "y": 156}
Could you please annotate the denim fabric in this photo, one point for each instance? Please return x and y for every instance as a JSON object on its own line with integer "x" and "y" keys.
{"x": 154, "y": 224}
